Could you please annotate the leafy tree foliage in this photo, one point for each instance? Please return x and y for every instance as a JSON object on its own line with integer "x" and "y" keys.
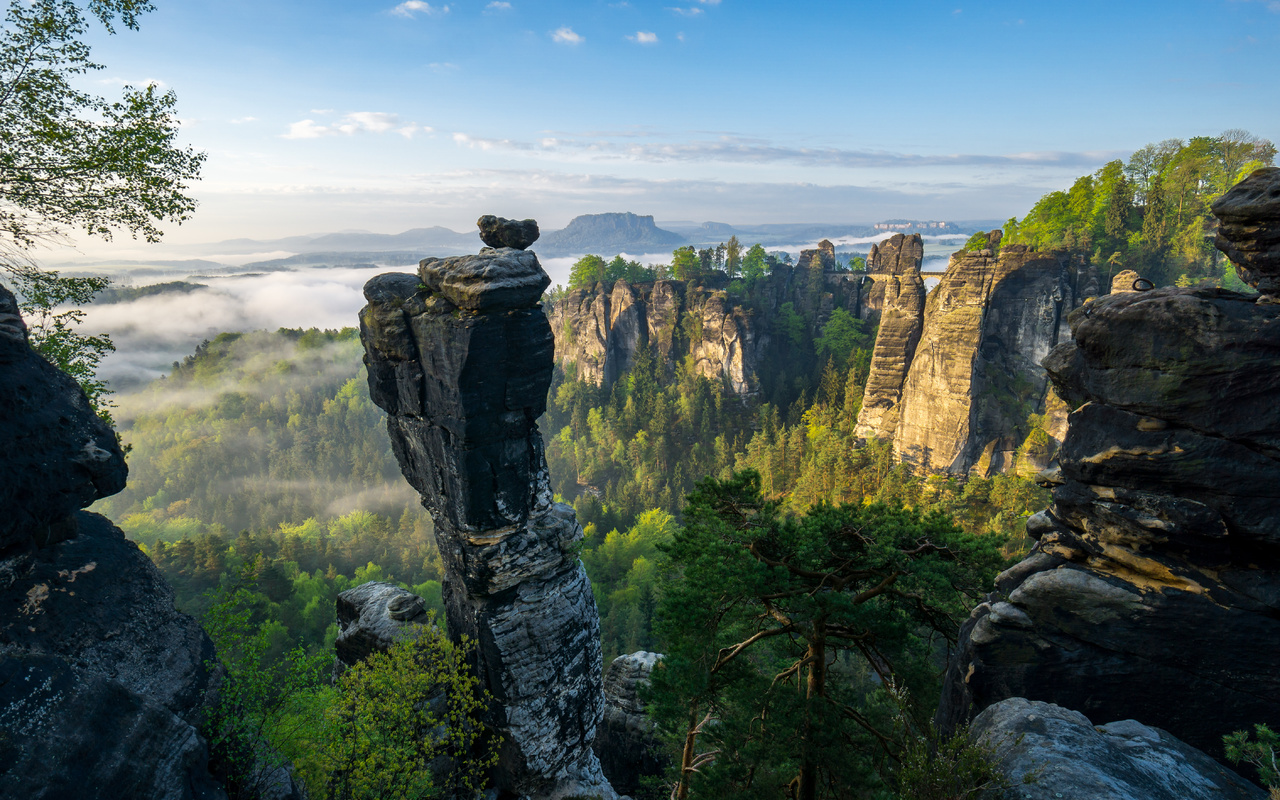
{"x": 1152, "y": 213}
{"x": 74, "y": 160}
{"x": 1261, "y": 751}
{"x": 402, "y": 724}
{"x": 783, "y": 634}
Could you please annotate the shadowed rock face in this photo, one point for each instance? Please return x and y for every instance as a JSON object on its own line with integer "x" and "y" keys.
{"x": 1153, "y": 591}
{"x": 462, "y": 367}
{"x": 1069, "y": 757}
{"x": 975, "y": 376}
{"x": 627, "y": 745}
{"x": 1249, "y": 229}
{"x": 101, "y": 679}
{"x": 372, "y": 617}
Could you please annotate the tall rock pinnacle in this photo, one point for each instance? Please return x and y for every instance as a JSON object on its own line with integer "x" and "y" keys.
{"x": 460, "y": 357}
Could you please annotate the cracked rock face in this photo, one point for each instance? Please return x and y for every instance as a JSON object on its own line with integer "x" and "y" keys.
{"x": 501, "y": 232}
{"x": 1249, "y": 229}
{"x": 1070, "y": 757}
{"x": 372, "y": 617}
{"x": 102, "y": 681}
{"x": 1153, "y": 591}
{"x": 627, "y": 745}
{"x": 462, "y": 363}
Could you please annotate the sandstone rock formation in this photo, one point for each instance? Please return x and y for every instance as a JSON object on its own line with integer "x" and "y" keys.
{"x": 1249, "y": 229}
{"x": 502, "y": 232}
{"x": 975, "y": 376}
{"x": 896, "y": 256}
{"x": 900, "y": 295}
{"x": 372, "y": 617}
{"x": 1153, "y": 592}
{"x": 1065, "y": 755}
{"x": 626, "y": 744}
{"x": 462, "y": 368}
{"x": 601, "y": 330}
{"x": 102, "y": 681}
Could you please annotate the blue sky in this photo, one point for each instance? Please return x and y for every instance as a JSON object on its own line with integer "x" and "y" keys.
{"x": 383, "y": 116}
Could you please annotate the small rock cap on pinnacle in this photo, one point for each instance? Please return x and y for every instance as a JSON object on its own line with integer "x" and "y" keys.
{"x": 500, "y": 232}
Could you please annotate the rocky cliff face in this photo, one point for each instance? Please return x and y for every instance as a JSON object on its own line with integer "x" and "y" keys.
{"x": 896, "y": 256}
{"x": 462, "y": 367}
{"x": 600, "y": 331}
{"x": 901, "y": 298}
{"x": 975, "y": 374}
{"x": 1153, "y": 591}
{"x": 102, "y": 681}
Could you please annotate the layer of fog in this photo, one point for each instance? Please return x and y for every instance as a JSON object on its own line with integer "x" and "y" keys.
{"x": 153, "y": 332}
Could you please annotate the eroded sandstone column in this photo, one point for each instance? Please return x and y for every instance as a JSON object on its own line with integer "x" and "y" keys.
{"x": 901, "y": 295}
{"x": 460, "y": 357}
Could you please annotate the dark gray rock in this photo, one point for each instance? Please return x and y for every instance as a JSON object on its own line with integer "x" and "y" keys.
{"x": 1249, "y": 229}
{"x": 1066, "y": 756}
{"x": 102, "y": 682}
{"x": 494, "y": 279}
{"x": 626, "y": 744}
{"x": 462, "y": 366}
{"x": 372, "y": 617}
{"x": 1153, "y": 591}
{"x": 58, "y": 457}
{"x": 501, "y": 232}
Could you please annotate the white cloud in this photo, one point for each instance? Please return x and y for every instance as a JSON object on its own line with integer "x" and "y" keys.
{"x": 122, "y": 82}
{"x": 353, "y": 123}
{"x": 691, "y": 11}
{"x": 243, "y": 120}
{"x": 498, "y": 5}
{"x": 411, "y": 7}
{"x": 709, "y": 2}
{"x": 566, "y": 35}
{"x": 644, "y": 37}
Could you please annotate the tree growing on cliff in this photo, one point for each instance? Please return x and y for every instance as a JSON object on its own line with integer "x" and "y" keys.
{"x": 782, "y": 634}
{"x": 73, "y": 160}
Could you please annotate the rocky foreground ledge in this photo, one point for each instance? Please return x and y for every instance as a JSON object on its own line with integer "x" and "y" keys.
{"x": 102, "y": 681}
{"x": 1153, "y": 592}
{"x": 460, "y": 357}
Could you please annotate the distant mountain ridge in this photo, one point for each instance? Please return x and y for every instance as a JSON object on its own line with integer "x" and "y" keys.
{"x": 612, "y": 232}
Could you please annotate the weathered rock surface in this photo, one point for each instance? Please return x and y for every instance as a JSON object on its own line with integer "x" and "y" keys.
{"x": 626, "y": 744}
{"x": 1249, "y": 229}
{"x": 900, "y": 294}
{"x": 372, "y": 617}
{"x": 896, "y": 256}
{"x": 975, "y": 376}
{"x": 1067, "y": 756}
{"x": 463, "y": 388}
{"x": 1153, "y": 591}
{"x": 1124, "y": 281}
{"x": 58, "y": 456}
{"x": 600, "y": 332}
{"x": 502, "y": 278}
{"x": 502, "y": 232}
{"x": 102, "y": 681}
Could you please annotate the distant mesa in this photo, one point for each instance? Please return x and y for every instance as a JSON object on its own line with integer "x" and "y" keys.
{"x": 502, "y": 232}
{"x": 917, "y": 226}
{"x": 616, "y": 232}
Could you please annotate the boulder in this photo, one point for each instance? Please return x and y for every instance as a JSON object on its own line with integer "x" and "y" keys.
{"x": 626, "y": 744}
{"x": 1249, "y": 229}
{"x": 501, "y": 232}
{"x": 1048, "y": 752}
{"x": 372, "y": 617}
